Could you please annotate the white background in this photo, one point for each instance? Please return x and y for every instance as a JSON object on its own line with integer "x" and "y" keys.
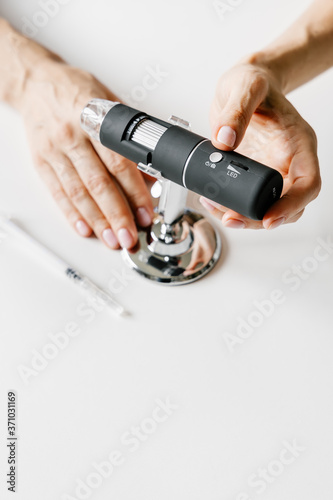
{"x": 235, "y": 409}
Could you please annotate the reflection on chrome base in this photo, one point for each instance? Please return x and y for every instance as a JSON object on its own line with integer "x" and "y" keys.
{"x": 178, "y": 253}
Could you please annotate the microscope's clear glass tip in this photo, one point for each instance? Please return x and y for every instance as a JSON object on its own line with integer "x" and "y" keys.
{"x": 93, "y": 115}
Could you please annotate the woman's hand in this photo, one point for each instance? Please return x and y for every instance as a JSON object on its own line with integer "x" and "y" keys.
{"x": 251, "y": 113}
{"x": 97, "y": 190}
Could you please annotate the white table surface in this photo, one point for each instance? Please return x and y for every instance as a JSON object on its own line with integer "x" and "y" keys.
{"x": 236, "y": 411}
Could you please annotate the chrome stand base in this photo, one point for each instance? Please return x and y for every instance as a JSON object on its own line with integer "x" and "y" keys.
{"x": 177, "y": 253}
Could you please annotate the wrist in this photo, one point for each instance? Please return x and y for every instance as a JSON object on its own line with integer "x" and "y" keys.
{"x": 300, "y": 54}
{"x": 271, "y": 65}
{"x": 20, "y": 57}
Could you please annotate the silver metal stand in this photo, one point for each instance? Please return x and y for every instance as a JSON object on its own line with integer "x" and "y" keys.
{"x": 181, "y": 246}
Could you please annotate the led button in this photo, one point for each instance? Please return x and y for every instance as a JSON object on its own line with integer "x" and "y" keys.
{"x": 216, "y": 157}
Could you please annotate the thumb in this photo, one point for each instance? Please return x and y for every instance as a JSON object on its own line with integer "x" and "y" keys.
{"x": 232, "y": 110}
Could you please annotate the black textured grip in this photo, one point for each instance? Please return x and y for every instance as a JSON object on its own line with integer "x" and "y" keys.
{"x": 172, "y": 151}
{"x": 113, "y": 133}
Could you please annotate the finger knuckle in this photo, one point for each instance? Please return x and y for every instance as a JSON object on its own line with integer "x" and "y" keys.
{"x": 59, "y": 167}
{"x": 66, "y": 135}
{"x": 240, "y": 117}
{"x": 97, "y": 184}
{"x": 57, "y": 194}
{"x": 138, "y": 198}
{"x": 257, "y": 82}
{"x": 119, "y": 218}
{"x": 118, "y": 166}
{"x": 98, "y": 224}
{"x": 77, "y": 192}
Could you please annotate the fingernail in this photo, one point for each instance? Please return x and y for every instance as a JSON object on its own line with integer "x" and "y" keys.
{"x": 276, "y": 223}
{"x": 110, "y": 238}
{"x": 207, "y": 205}
{"x": 235, "y": 224}
{"x": 125, "y": 238}
{"x": 143, "y": 217}
{"x": 82, "y": 228}
{"x": 227, "y": 136}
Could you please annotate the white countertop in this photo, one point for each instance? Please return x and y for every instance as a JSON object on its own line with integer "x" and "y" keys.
{"x": 265, "y": 404}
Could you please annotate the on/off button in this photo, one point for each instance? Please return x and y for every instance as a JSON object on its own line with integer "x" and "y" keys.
{"x": 215, "y": 157}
